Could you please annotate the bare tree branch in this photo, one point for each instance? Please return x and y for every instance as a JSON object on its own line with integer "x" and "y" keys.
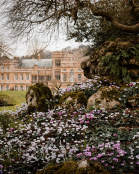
{"x": 24, "y": 15}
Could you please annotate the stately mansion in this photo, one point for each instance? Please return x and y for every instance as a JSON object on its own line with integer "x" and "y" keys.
{"x": 59, "y": 68}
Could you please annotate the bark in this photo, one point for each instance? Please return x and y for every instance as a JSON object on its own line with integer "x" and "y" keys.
{"x": 128, "y": 28}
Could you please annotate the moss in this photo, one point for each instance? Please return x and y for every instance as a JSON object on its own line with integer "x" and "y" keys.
{"x": 67, "y": 168}
{"x": 43, "y": 95}
{"x": 78, "y": 97}
{"x": 50, "y": 169}
{"x": 81, "y": 98}
{"x": 110, "y": 93}
{"x": 71, "y": 167}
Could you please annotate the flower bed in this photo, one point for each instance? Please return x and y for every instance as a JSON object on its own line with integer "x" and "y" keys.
{"x": 109, "y": 137}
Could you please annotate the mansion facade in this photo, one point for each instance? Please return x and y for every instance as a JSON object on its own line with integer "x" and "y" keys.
{"x": 59, "y": 69}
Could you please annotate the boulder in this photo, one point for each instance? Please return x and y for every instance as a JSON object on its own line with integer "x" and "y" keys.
{"x": 39, "y": 98}
{"x": 70, "y": 98}
{"x": 104, "y": 98}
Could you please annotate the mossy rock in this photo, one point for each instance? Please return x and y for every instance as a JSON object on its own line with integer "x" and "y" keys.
{"x": 106, "y": 97}
{"x": 70, "y": 98}
{"x": 39, "y": 98}
{"x": 110, "y": 93}
{"x": 71, "y": 167}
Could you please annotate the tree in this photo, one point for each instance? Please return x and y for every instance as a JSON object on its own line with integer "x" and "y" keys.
{"x": 95, "y": 21}
{"x": 25, "y": 14}
{"x": 4, "y": 49}
{"x": 37, "y": 48}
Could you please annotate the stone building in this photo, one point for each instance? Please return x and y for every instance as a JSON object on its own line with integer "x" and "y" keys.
{"x": 60, "y": 68}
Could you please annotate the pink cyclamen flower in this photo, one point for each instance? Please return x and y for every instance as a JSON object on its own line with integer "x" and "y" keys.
{"x": 88, "y": 153}
{"x": 81, "y": 121}
{"x": 94, "y": 158}
{"x": 115, "y": 159}
{"x": 11, "y": 129}
{"x": 115, "y": 135}
{"x": 99, "y": 155}
{"x": 79, "y": 155}
{"x": 1, "y": 166}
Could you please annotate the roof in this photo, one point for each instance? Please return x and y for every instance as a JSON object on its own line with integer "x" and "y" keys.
{"x": 30, "y": 63}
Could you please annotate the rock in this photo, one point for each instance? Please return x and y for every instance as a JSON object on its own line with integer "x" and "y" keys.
{"x": 101, "y": 100}
{"x": 83, "y": 164}
{"x": 71, "y": 98}
{"x": 39, "y": 98}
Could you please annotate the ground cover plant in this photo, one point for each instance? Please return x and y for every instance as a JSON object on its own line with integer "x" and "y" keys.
{"x": 46, "y": 142}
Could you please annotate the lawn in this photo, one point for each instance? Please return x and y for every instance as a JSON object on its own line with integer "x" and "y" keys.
{"x": 14, "y": 97}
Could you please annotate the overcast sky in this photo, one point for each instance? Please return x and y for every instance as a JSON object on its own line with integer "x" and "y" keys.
{"x": 21, "y": 48}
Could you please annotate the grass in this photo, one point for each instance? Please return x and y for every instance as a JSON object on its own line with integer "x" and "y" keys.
{"x": 14, "y": 97}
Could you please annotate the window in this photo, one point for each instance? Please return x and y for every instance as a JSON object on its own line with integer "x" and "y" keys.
{"x": 41, "y": 78}
{"x": 7, "y": 76}
{"x": 27, "y": 76}
{"x": 58, "y": 63}
{"x": 79, "y": 77}
{"x": 7, "y": 87}
{"x": 21, "y": 88}
{"x": 79, "y": 70}
{"x": 64, "y": 77}
{"x": 1, "y": 87}
{"x": 7, "y": 67}
{"x": 71, "y": 75}
{"x": 16, "y": 76}
{"x": 27, "y": 88}
{"x": 57, "y": 75}
{"x": 48, "y": 77}
{"x": 2, "y": 76}
{"x": 16, "y": 88}
{"x": 34, "y": 78}
{"x": 22, "y": 77}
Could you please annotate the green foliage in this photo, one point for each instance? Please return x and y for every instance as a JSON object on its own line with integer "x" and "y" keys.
{"x": 117, "y": 65}
{"x": 5, "y": 121}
